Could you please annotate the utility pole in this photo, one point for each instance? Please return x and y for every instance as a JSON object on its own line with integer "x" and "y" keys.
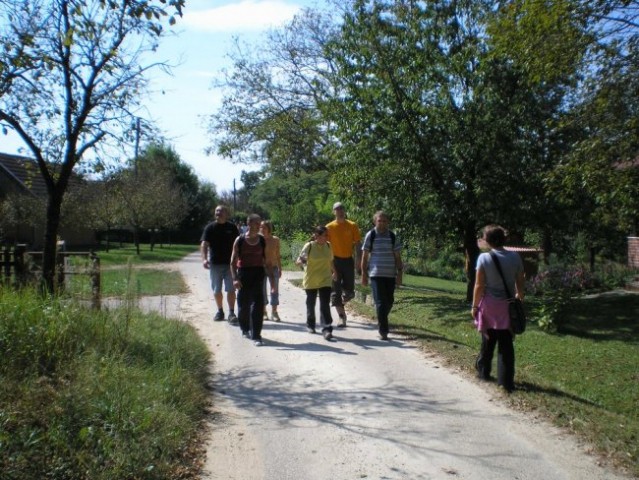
{"x": 234, "y": 197}
{"x": 137, "y": 146}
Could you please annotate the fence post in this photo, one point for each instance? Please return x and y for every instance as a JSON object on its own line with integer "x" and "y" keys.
{"x": 6, "y": 265}
{"x": 95, "y": 282}
{"x": 19, "y": 265}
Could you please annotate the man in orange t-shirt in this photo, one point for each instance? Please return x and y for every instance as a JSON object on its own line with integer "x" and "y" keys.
{"x": 344, "y": 236}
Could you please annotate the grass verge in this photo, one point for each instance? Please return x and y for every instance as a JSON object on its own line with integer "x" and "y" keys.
{"x": 97, "y": 395}
{"x": 585, "y": 378}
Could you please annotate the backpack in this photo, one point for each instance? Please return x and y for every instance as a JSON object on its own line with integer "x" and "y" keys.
{"x": 372, "y": 233}
{"x": 243, "y": 237}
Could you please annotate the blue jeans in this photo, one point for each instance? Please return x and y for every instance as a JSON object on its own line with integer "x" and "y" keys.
{"x": 275, "y": 296}
{"x": 221, "y": 273}
{"x": 383, "y": 289}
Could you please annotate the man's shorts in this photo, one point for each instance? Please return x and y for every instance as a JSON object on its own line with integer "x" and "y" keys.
{"x": 219, "y": 273}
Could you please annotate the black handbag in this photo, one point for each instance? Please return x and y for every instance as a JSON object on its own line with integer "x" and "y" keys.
{"x": 515, "y": 306}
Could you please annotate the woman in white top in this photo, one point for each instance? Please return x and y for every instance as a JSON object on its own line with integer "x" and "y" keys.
{"x": 490, "y": 307}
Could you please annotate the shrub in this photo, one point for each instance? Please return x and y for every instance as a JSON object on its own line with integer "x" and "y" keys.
{"x": 556, "y": 285}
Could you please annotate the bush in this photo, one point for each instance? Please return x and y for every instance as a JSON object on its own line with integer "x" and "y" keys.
{"x": 557, "y": 285}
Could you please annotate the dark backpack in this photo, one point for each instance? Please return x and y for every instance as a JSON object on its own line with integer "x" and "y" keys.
{"x": 372, "y": 233}
{"x": 243, "y": 237}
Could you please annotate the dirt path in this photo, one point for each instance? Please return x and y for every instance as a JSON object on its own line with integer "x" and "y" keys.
{"x": 358, "y": 408}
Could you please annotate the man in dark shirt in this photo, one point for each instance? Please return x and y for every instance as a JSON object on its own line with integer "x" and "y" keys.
{"x": 216, "y": 247}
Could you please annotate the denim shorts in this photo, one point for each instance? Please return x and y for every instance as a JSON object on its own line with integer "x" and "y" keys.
{"x": 221, "y": 273}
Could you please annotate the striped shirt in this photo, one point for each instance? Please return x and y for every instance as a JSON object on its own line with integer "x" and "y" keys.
{"x": 381, "y": 262}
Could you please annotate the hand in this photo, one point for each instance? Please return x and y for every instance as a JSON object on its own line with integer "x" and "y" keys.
{"x": 237, "y": 284}
{"x": 205, "y": 264}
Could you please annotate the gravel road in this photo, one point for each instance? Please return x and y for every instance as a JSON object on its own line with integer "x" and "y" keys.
{"x": 302, "y": 408}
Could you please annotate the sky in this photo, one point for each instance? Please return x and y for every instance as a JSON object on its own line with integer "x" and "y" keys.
{"x": 180, "y": 103}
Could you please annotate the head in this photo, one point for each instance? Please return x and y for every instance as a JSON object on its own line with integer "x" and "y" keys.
{"x": 266, "y": 228}
{"x": 253, "y": 222}
{"x": 320, "y": 234}
{"x": 495, "y": 236}
{"x": 381, "y": 221}
{"x": 339, "y": 211}
{"x": 221, "y": 213}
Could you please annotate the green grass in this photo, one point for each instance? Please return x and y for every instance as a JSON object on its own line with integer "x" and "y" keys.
{"x": 97, "y": 395}
{"x": 127, "y": 253}
{"x": 585, "y": 378}
{"x": 122, "y": 272}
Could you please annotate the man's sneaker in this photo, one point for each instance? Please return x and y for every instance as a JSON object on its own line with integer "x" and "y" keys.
{"x": 246, "y": 334}
{"x": 219, "y": 316}
{"x": 342, "y": 321}
{"x": 328, "y": 335}
{"x": 275, "y": 317}
{"x": 259, "y": 343}
{"x": 233, "y": 318}
{"x": 310, "y": 330}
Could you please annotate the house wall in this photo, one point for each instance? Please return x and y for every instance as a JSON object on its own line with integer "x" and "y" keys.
{"x": 633, "y": 252}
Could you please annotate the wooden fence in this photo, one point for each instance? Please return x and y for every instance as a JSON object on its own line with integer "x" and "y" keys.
{"x": 20, "y": 268}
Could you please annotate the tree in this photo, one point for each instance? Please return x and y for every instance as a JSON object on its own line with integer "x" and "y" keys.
{"x": 71, "y": 77}
{"x": 149, "y": 198}
{"x": 200, "y": 199}
{"x": 426, "y": 108}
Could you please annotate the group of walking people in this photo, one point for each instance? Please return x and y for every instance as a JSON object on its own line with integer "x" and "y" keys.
{"x": 242, "y": 265}
{"x": 246, "y": 263}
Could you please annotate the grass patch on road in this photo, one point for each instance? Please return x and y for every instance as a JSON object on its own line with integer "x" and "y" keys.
{"x": 585, "y": 378}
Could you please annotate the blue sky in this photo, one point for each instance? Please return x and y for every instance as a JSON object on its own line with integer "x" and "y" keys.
{"x": 180, "y": 103}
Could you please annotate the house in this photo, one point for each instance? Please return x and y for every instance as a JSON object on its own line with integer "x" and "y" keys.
{"x": 21, "y": 176}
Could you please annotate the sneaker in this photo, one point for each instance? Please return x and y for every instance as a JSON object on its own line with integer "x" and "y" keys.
{"x": 310, "y": 330}
{"x": 246, "y": 334}
{"x": 383, "y": 336}
{"x": 328, "y": 335}
{"x": 233, "y": 318}
{"x": 219, "y": 316}
{"x": 259, "y": 343}
{"x": 275, "y": 316}
{"x": 342, "y": 321}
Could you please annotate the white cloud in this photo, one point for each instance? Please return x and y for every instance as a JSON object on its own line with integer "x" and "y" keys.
{"x": 242, "y": 16}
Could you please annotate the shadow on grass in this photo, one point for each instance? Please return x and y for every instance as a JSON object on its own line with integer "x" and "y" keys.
{"x": 605, "y": 318}
{"x": 553, "y": 392}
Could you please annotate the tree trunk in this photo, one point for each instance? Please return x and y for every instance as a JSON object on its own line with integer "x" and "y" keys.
{"x": 50, "y": 247}
{"x": 471, "y": 252}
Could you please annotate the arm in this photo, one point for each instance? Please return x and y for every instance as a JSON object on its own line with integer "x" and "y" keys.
{"x": 399, "y": 267}
{"x": 302, "y": 258}
{"x": 278, "y": 256}
{"x": 234, "y": 258}
{"x": 358, "y": 257}
{"x": 478, "y": 292}
{"x": 364, "y": 266}
{"x": 204, "y": 250}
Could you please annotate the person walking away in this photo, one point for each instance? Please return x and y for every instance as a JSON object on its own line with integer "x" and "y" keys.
{"x": 490, "y": 307}
{"x": 273, "y": 268}
{"x": 344, "y": 237}
{"x": 216, "y": 246}
{"x": 248, "y": 271}
{"x": 316, "y": 258}
{"x": 382, "y": 267}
